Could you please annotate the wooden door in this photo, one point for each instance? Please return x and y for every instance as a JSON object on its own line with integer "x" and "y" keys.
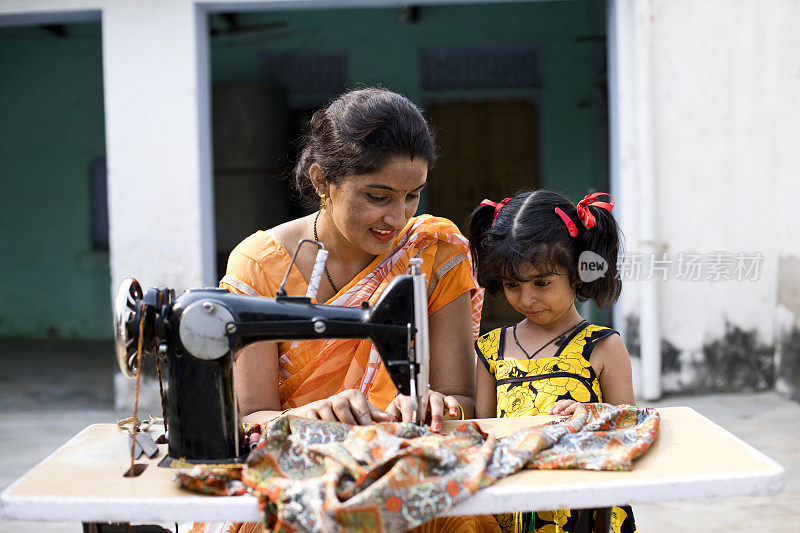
{"x": 486, "y": 150}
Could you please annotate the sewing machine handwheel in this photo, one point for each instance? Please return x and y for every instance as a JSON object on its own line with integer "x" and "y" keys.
{"x": 126, "y": 332}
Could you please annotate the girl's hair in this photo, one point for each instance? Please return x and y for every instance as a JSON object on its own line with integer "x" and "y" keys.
{"x": 528, "y": 232}
{"x": 358, "y": 132}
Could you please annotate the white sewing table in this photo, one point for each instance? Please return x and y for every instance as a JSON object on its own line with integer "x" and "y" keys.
{"x": 692, "y": 458}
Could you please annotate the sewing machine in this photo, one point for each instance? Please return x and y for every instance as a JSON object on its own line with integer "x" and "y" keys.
{"x": 199, "y": 333}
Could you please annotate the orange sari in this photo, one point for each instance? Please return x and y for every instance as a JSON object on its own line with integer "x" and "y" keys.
{"x": 312, "y": 370}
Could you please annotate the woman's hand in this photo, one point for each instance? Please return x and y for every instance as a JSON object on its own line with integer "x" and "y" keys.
{"x": 348, "y": 406}
{"x": 563, "y": 407}
{"x": 433, "y": 405}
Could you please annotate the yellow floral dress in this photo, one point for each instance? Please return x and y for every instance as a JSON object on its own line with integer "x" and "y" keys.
{"x": 530, "y": 387}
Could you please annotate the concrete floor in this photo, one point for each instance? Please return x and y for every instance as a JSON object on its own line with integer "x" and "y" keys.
{"x": 768, "y": 422}
{"x": 50, "y": 391}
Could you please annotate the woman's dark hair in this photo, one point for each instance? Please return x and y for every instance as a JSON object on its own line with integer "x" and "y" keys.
{"x": 358, "y": 133}
{"x": 529, "y": 232}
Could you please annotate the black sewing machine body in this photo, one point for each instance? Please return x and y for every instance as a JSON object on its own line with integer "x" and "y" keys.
{"x": 198, "y": 333}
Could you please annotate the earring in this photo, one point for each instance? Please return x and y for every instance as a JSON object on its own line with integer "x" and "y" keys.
{"x": 322, "y": 202}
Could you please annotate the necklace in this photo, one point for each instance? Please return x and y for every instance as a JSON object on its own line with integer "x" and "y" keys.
{"x": 558, "y": 340}
{"x": 316, "y": 238}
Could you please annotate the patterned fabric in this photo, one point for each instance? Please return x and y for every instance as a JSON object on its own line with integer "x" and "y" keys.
{"x": 530, "y": 387}
{"x": 315, "y": 369}
{"x": 311, "y": 475}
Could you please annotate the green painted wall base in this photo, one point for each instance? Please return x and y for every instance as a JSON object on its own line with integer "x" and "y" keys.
{"x": 52, "y": 127}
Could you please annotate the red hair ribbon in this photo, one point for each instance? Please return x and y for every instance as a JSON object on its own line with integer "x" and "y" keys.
{"x": 571, "y": 227}
{"x": 497, "y": 206}
{"x": 591, "y": 199}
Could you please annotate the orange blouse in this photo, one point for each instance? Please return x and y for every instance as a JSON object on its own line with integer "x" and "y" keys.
{"x": 313, "y": 370}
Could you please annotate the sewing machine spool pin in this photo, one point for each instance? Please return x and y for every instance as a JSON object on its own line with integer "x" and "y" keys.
{"x": 316, "y": 274}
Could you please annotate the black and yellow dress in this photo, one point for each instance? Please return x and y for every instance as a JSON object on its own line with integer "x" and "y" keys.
{"x": 530, "y": 387}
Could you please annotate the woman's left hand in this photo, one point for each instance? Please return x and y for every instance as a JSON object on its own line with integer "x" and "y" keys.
{"x": 434, "y": 404}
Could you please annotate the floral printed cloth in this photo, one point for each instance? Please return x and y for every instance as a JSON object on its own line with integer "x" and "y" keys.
{"x": 311, "y": 475}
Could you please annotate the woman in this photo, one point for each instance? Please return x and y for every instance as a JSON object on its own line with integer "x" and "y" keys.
{"x": 366, "y": 160}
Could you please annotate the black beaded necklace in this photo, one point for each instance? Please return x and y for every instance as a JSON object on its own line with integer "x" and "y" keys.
{"x": 316, "y": 238}
{"x": 558, "y": 340}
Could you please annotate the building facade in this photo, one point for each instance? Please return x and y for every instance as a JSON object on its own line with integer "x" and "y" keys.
{"x": 686, "y": 111}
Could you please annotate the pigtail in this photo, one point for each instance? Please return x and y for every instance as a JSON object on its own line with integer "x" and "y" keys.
{"x": 604, "y": 240}
{"x": 480, "y": 222}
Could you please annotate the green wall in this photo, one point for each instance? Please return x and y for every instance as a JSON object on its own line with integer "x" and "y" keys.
{"x": 384, "y": 50}
{"x": 51, "y": 128}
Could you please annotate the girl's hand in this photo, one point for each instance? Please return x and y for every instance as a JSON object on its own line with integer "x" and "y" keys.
{"x": 563, "y": 407}
{"x": 348, "y": 406}
{"x": 434, "y": 405}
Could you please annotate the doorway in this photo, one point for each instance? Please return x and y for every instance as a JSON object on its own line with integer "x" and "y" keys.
{"x": 486, "y": 150}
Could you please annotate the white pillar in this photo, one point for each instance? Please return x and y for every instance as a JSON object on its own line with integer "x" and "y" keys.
{"x": 633, "y": 175}
{"x": 157, "y": 110}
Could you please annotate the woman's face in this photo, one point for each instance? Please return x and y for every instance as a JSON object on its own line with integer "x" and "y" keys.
{"x": 369, "y": 210}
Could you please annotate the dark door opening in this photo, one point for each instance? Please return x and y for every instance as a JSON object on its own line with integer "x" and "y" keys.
{"x": 487, "y": 150}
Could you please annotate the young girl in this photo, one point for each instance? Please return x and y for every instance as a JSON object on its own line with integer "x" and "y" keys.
{"x": 529, "y": 247}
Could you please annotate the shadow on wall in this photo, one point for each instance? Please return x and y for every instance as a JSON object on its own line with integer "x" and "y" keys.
{"x": 788, "y": 362}
{"x": 736, "y": 362}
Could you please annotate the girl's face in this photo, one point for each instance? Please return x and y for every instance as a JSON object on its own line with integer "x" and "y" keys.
{"x": 545, "y": 299}
{"x": 369, "y": 210}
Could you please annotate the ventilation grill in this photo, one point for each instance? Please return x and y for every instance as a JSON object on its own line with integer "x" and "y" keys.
{"x": 480, "y": 68}
{"x": 306, "y": 72}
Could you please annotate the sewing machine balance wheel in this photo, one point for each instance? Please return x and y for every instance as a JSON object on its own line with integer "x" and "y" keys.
{"x": 126, "y": 325}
